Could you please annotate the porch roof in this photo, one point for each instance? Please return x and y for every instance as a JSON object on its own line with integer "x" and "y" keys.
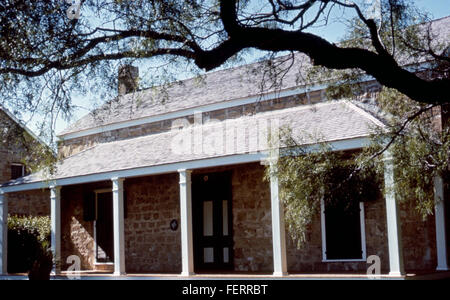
{"x": 324, "y": 122}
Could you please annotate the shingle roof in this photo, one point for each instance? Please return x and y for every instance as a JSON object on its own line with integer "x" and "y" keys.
{"x": 214, "y": 87}
{"x": 330, "y": 121}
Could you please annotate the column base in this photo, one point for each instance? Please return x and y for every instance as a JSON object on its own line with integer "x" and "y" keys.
{"x": 119, "y": 273}
{"x": 187, "y": 274}
{"x": 442, "y": 268}
{"x": 280, "y": 274}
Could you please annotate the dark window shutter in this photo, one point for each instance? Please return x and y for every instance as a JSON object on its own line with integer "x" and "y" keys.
{"x": 89, "y": 206}
{"x": 343, "y": 232}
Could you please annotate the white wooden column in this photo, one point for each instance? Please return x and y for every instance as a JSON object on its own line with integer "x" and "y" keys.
{"x": 278, "y": 227}
{"x": 118, "y": 227}
{"x": 393, "y": 219}
{"x": 187, "y": 246}
{"x": 3, "y": 234}
{"x": 55, "y": 216}
{"x": 441, "y": 235}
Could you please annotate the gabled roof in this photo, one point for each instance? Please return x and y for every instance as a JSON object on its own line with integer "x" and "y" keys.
{"x": 311, "y": 124}
{"x": 23, "y": 126}
{"x": 214, "y": 87}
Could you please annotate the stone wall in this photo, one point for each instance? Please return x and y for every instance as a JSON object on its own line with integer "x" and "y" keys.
{"x": 150, "y": 245}
{"x": 29, "y": 203}
{"x": 77, "y": 235}
{"x": 7, "y": 157}
{"x": 252, "y": 220}
{"x": 419, "y": 239}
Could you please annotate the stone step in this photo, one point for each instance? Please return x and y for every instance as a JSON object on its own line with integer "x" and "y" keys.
{"x": 104, "y": 267}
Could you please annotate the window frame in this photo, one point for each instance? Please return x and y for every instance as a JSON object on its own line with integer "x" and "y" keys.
{"x": 17, "y": 165}
{"x": 324, "y": 236}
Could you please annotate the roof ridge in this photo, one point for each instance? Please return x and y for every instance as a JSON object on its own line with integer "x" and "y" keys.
{"x": 364, "y": 113}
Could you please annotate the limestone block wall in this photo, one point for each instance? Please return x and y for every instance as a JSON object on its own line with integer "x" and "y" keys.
{"x": 77, "y": 235}
{"x": 7, "y": 157}
{"x": 252, "y": 220}
{"x": 29, "y": 203}
{"x": 419, "y": 239}
{"x": 152, "y": 247}
{"x": 150, "y": 244}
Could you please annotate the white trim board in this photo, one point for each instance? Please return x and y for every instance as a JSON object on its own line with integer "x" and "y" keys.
{"x": 348, "y": 144}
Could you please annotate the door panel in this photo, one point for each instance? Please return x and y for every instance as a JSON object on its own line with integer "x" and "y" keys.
{"x": 212, "y": 221}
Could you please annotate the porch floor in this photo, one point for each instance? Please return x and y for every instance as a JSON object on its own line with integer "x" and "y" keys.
{"x": 96, "y": 275}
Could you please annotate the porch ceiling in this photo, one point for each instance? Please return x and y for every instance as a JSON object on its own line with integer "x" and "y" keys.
{"x": 324, "y": 122}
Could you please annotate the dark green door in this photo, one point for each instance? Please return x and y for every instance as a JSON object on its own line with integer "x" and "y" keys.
{"x": 212, "y": 222}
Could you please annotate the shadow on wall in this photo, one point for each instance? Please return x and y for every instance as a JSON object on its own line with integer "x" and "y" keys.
{"x": 77, "y": 235}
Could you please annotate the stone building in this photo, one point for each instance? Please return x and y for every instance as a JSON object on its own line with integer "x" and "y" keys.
{"x": 172, "y": 181}
{"x": 18, "y": 146}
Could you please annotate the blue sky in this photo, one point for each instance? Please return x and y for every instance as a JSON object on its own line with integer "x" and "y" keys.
{"x": 437, "y": 9}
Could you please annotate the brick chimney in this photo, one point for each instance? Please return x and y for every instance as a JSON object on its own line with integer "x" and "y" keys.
{"x": 128, "y": 79}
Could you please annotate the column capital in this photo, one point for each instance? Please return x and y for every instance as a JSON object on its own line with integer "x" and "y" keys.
{"x": 185, "y": 176}
{"x": 117, "y": 183}
{"x": 118, "y": 179}
{"x": 187, "y": 171}
{"x": 54, "y": 190}
{"x": 387, "y": 156}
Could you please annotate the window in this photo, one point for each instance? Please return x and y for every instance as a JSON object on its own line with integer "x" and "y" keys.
{"x": 17, "y": 171}
{"x": 343, "y": 233}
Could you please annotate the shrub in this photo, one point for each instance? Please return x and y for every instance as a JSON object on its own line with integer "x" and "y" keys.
{"x": 28, "y": 244}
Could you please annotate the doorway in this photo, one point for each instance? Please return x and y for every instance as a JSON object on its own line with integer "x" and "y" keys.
{"x": 212, "y": 222}
{"x": 104, "y": 236}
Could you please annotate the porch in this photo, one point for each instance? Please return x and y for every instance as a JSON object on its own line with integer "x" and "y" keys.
{"x": 145, "y": 245}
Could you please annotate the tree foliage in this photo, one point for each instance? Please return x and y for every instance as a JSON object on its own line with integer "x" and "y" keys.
{"x": 414, "y": 135}
{"x": 49, "y": 55}
{"x": 307, "y": 177}
{"x": 418, "y": 136}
